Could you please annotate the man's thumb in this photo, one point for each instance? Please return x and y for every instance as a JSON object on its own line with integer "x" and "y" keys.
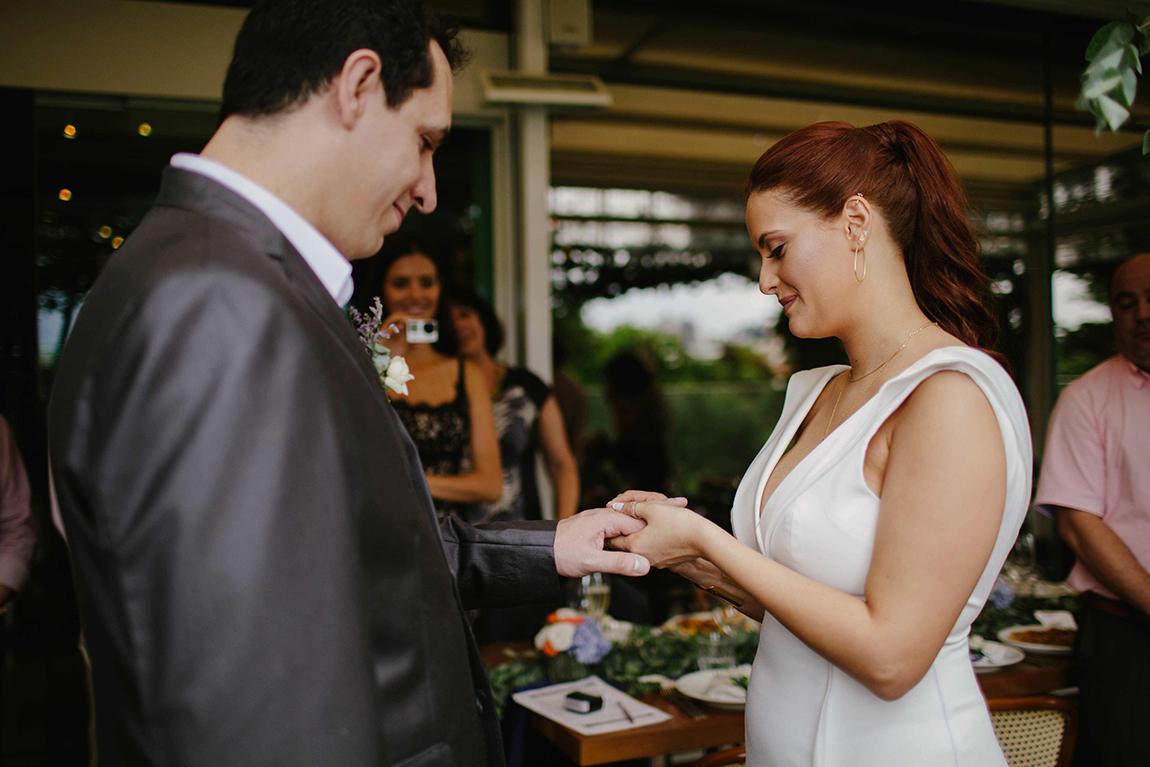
{"x": 621, "y": 563}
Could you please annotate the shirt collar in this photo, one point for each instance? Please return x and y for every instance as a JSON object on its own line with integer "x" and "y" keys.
{"x": 329, "y": 266}
{"x": 1141, "y": 377}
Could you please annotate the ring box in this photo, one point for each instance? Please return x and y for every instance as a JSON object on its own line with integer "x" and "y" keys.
{"x": 582, "y": 703}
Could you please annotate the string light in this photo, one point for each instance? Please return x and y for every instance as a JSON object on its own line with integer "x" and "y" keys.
{"x": 117, "y": 242}
{"x": 69, "y": 131}
{"x": 145, "y": 129}
{"x": 65, "y": 194}
{"x": 105, "y": 231}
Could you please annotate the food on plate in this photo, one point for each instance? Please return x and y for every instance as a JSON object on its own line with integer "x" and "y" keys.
{"x": 691, "y": 625}
{"x": 1052, "y": 636}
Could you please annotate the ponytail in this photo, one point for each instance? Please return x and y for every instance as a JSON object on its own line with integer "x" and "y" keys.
{"x": 905, "y": 174}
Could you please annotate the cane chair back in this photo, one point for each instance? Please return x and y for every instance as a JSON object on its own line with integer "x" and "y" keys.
{"x": 1035, "y": 732}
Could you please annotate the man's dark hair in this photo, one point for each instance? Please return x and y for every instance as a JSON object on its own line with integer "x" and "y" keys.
{"x": 289, "y": 49}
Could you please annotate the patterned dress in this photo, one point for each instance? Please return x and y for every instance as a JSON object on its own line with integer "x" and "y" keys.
{"x": 517, "y": 412}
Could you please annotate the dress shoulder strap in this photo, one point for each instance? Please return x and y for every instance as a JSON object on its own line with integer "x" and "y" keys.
{"x": 460, "y": 384}
{"x": 985, "y": 371}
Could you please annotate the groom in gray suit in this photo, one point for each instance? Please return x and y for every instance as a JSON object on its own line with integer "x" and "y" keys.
{"x": 261, "y": 574}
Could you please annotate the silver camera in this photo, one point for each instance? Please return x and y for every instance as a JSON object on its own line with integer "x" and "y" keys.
{"x": 422, "y": 331}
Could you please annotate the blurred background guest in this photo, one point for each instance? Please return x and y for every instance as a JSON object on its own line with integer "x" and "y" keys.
{"x": 1095, "y": 479}
{"x": 17, "y": 534}
{"x": 570, "y": 395}
{"x": 448, "y": 409}
{"x": 17, "y": 527}
{"x": 527, "y": 417}
{"x": 638, "y": 455}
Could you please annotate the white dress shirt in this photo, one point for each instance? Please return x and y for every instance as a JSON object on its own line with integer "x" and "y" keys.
{"x": 332, "y": 269}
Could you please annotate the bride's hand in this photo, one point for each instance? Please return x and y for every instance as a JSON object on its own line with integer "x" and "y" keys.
{"x": 673, "y": 534}
{"x": 646, "y": 496}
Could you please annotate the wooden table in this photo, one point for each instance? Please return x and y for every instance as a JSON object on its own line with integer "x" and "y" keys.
{"x": 679, "y": 733}
{"x": 719, "y": 728}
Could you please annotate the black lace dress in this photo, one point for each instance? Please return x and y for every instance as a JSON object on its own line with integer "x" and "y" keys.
{"x": 442, "y": 435}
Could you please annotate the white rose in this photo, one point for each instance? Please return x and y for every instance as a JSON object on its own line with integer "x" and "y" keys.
{"x": 397, "y": 376}
{"x": 559, "y": 635}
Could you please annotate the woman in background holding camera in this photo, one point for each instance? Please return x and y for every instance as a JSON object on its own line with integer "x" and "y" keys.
{"x": 448, "y": 409}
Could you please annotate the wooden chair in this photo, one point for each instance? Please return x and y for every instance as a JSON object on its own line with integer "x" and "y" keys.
{"x": 1037, "y": 731}
{"x": 728, "y": 757}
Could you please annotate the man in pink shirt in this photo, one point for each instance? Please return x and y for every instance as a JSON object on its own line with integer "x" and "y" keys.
{"x": 1096, "y": 481}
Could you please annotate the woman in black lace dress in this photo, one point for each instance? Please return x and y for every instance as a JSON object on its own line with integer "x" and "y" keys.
{"x": 448, "y": 410}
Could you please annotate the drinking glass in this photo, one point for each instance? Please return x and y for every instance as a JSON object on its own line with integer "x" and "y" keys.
{"x": 716, "y": 650}
{"x": 591, "y": 594}
{"x": 1021, "y": 565}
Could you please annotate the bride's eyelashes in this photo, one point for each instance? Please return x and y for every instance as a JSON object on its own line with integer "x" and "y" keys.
{"x": 777, "y": 253}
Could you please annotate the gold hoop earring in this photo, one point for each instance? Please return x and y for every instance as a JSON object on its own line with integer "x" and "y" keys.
{"x": 857, "y": 251}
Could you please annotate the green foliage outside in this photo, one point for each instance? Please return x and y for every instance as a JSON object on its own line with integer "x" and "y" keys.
{"x": 1110, "y": 82}
{"x": 1081, "y": 349}
{"x": 715, "y": 429}
{"x": 720, "y": 411}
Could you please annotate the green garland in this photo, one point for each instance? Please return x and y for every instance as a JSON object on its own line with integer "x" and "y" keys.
{"x": 646, "y": 651}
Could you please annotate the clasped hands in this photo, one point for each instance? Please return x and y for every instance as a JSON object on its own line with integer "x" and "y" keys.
{"x": 647, "y": 529}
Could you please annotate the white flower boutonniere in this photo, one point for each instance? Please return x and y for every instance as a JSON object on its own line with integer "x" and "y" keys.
{"x": 397, "y": 375}
{"x": 393, "y": 371}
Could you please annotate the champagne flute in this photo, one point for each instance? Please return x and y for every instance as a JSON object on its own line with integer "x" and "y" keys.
{"x": 592, "y": 594}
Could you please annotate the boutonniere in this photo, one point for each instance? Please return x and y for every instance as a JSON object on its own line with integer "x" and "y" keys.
{"x": 393, "y": 371}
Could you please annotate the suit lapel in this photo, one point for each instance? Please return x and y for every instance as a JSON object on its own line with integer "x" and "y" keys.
{"x": 192, "y": 191}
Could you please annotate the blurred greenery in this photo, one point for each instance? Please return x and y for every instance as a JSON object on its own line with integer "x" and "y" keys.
{"x": 1081, "y": 349}
{"x": 720, "y": 411}
{"x": 716, "y": 428}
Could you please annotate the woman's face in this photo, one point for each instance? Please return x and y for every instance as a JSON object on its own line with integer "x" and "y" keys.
{"x": 411, "y": 287}
{"x": 806, "y": 262}
{"x": 469, "y": 331}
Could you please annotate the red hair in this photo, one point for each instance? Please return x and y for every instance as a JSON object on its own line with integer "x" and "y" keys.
{"x": 903, "y": 172}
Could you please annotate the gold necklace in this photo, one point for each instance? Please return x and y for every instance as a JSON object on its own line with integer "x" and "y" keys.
{"x": 866, "y": 388}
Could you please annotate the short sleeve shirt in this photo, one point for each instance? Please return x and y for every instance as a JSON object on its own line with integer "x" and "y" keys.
{"x": 1097, "y": 457}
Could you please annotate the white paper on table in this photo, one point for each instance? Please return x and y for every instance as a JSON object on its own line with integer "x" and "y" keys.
{"x": 1056, "y": 619}
{"x": 548, "y": 702}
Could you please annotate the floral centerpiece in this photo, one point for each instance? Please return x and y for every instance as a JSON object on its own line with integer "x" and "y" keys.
{"x": 393, "y": 370}
{"x": 572, "y": 645}
{"x": 573, "y": 642}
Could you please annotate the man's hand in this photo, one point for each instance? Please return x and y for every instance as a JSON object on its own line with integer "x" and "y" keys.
{"x": 579, "y": 544}
{"x": 674, "y": 533}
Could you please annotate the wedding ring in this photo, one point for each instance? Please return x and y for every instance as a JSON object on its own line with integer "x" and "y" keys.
{"x": 632, "y": 510}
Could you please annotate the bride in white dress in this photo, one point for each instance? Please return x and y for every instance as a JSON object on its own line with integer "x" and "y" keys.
{"x": 871, "y": 526}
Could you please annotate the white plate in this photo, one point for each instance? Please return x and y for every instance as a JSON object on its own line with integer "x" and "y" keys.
{"x": 715, "y": 688}
{"x": 996, "y": 656}
{"x": 1050, "y": 649}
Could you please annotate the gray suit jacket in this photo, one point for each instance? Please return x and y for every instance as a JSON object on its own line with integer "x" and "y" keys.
{"x": 261, "y": 574}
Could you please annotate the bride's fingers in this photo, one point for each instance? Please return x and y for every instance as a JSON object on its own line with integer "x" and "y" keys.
{"x": 647, "y": 496}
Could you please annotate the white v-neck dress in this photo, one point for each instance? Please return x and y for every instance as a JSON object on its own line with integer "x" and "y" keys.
{"x": 820, "y": 521}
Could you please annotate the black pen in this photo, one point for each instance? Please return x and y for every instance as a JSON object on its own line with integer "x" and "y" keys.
{"x": 626, "y": 713}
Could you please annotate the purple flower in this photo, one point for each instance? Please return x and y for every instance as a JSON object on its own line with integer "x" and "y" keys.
{"x": 1003, "y": 593}
{"x": 589, "y": 645}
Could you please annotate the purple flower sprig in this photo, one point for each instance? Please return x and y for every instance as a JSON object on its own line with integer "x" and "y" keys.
{"x": 589, "y": 645}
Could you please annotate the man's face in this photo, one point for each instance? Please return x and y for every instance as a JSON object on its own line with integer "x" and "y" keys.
{"x": 392, "y": 170}
{"x": 1130, "y": 306}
